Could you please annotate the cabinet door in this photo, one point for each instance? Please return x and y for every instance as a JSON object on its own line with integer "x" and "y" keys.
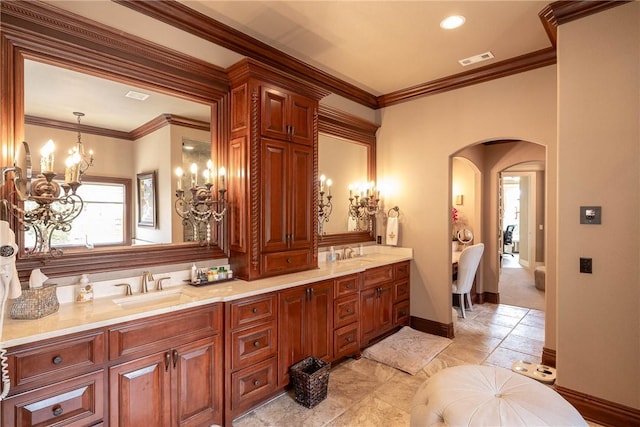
{"x": 275, "y": 234}
{"x": 368, "y": 322}
{"x": 301, "y": 115}
{"x": 319, "y": 321}
{"x": 291, "y": 334}
{"x": 300, "y": 197}
{"x": 385, "y": 308}
{"x": 197, "y": 374}
{"x": 148, "y": 380}
{"x": 273, "y": 117}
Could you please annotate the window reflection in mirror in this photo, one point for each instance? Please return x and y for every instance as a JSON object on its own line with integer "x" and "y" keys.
{"x": 128, "y": 136}
{"x": 345, "y": 163}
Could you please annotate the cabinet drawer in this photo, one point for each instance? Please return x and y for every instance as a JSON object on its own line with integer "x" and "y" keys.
{"x": 345, "y": 341}
{"x": 251, "y": 385}
{"x": 280, "y": 262}
{"x": 56, "y": 359}
{"x": 251, "y": 310}
{"x": 158, "y": 333}
{"x": 345, "y": 310}
{"x": 77, "y": 402}
{"x": 401, "y": 270}
{"x": 377, "y": 275}
{"x": 401, "y": 290}
{"x": 346, "y": 285}
{"x": 401, "y": 313}
{"x": 252, "y": 345}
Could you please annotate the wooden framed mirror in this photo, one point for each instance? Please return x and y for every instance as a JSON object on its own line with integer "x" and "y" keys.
{"x": 77, "y": 45}
{"x": 355, "y": 140}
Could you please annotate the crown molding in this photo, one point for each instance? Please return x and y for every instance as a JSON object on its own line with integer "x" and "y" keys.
{"x": 526, "y": 62}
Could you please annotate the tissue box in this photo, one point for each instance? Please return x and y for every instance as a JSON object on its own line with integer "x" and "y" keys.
{"x": 35, "y": 303}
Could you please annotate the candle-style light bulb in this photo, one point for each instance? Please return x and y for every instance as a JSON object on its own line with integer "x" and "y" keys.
{"x": 322, "y": 179}
{"x": 329, "y": 182}
{"x": 221, "y": 173}
{"x": 46, "y": 159}
{"x": 194, "y": 175}
{"x": 179, "y": 174}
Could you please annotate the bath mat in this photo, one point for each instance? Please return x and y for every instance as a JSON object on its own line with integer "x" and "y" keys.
{"x": 408, "y": 350}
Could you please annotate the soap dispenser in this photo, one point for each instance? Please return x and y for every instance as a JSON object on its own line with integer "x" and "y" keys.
{"x": 84, "y": 292}
{"x": 194, "y": 273}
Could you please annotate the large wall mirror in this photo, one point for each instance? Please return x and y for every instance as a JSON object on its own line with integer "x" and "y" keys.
{"x": 346, "y": 155}
{"x": 48, "y": 79}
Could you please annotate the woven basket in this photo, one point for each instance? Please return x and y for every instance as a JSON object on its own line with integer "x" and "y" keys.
{"x": 35, "y": 303}
{"x": 310, "y": 379}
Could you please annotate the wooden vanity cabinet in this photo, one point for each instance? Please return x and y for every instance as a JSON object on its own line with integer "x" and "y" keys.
{"x": 172, "y": 363}
{"x": 346, "y": 316}
{"x": 384, "y": 301}
{"x": 272, "y": 159}
{"x": 305, "y": 325}
{"x": 251, "y": 362}
{"x": 57, "y": 382}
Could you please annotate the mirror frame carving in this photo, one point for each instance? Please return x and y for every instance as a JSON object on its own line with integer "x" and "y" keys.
{"x": 359, "y": 131}
{"x": 45, "y": 33}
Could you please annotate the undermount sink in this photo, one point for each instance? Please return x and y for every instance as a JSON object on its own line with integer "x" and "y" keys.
{"x": 355, "y": 260}
{"x": 172, "y": 296}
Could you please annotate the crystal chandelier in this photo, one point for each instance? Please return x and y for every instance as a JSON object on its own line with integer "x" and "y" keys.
{"x": 363, "y": 205}
{"x": 324, "y": 204}
{"x": 203, "y": 207}
{"x": 45, "y": 206}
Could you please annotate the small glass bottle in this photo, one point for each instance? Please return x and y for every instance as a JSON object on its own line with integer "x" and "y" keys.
{"x": 84, "y": 292}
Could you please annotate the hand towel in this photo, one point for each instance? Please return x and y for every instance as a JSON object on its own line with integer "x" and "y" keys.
{"x": 8, "y": 252}
{"x": 392, "y": 231}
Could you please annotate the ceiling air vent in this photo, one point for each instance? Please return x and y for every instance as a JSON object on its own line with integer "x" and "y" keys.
{"x": 476, "y": 58}
{"x": 136, "y": 95}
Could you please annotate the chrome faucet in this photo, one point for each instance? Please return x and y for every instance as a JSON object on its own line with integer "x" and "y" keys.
{"x": 146, "y": 277}
{"x": 347, "y": 252}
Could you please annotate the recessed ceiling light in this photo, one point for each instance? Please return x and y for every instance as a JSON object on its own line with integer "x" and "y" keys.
{"x": 451, "y": 22}
{"x": 137, "y": 95}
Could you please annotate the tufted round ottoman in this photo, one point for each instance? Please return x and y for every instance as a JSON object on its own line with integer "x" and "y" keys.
{"x": 474, "y": 395}
{"x": 539, "y": 275}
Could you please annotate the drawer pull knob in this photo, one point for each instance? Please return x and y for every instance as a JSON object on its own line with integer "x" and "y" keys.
{"x": 256, "y": 383}
{"x": 348, "y": 286}
{"x": 57, "y": 360}
{"x": 349, "y": 339}
{"x": 289, "y": 260}
{"x": 255, "y": 309}
{"x": 256, "y": 343}
{"x": 57, "y": 410}
{"x": 348, "y": 310}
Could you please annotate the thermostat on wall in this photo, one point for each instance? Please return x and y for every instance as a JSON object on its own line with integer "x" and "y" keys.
{"x": 590, "y": 214}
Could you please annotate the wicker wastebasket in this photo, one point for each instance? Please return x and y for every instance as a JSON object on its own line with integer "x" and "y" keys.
{"x": 310, "y": 379}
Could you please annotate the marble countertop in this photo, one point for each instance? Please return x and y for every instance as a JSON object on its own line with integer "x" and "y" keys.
{"x": 101, "y": 312}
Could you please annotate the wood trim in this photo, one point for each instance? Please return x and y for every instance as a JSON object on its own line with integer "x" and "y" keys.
{"x": 561, "y": 12}
{"x": 167, "y": 119}
{"x": 489, "y": 297}
{"x": 191, "y": 21}
{"x": 599, "y": 410}
{"x": 432, "y": 327}
{"x": 344, "y": 125}
{"x": 508, "y": 67}
{"x": 548, "y": 357}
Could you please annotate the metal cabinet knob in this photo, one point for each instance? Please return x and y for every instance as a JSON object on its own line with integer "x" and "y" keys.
{"x": 57, "y": 411}
{"x": 57, "y": 360}
{"x": 256, "y": 343}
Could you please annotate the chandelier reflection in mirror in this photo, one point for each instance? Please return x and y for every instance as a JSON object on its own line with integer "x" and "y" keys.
{"x": 364, "y": 203}
{"x": 199, "y": 206}
{"x": 45, "y": 206}
{"x": 324, "y": 204}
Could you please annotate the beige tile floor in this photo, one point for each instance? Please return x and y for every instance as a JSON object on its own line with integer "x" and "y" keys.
{"x": 364, "y": 393}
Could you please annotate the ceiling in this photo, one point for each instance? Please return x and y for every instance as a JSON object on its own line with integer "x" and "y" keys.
{"x": 377, "y": 46}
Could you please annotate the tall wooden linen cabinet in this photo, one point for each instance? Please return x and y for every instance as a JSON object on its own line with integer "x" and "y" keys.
{"x": 273, "y": 164}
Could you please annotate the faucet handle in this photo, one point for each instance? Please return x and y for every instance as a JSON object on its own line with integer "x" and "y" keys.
{"x": 127, "y": 291}
{"x": 159, "y": 283}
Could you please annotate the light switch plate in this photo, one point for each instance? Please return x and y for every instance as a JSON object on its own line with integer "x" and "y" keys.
{"x": 590, "y": 214}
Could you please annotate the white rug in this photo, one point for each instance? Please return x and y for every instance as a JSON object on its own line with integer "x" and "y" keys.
{"x": 408, "y": 350}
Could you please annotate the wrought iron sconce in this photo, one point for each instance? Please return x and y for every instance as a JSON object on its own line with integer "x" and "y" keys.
{"x": 324, "y": 204}
{"x": 203, "y": 207}
{"x": 363, "y": 206}
{"x": 56, "y": 205}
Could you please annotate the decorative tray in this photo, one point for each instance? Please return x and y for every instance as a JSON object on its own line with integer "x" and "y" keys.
{"x": 198, "y": 284}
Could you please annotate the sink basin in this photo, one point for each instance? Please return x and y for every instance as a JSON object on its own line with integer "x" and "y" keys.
{"x": 169, "y": 296}
{"x": 355, "y": 261}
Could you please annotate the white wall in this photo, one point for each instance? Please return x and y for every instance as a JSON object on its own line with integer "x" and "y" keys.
{"x": 415, "y": 143}
{"x": 599, "y": 164}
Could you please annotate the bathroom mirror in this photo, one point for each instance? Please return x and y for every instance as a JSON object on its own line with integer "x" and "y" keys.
{"x": 346, "y": 154}
{"x": 465, "y": 236}
{"x": 95, "y": 53}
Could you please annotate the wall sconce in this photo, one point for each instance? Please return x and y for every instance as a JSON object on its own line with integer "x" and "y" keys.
{"x": 56, "y": 205}
{"x": 459, "y": 200}
{"x": 363, "y": 205}
{"x": 203, "y": 206}
{"x": 324, "y": 205}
